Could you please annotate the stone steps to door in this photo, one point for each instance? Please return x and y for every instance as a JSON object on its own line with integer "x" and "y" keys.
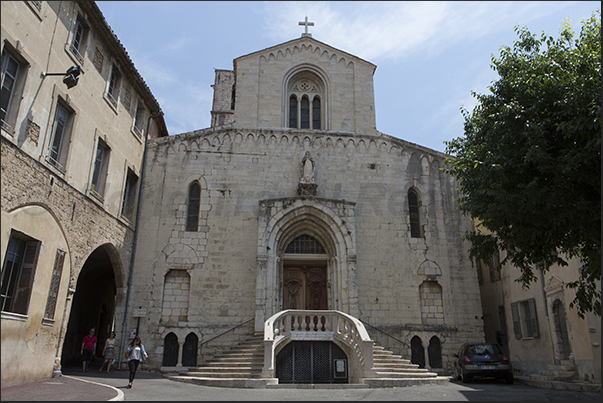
{"x": 241, "y": 367}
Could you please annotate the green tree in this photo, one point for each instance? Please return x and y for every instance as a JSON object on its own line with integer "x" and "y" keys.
{"x": 529, "y": 163}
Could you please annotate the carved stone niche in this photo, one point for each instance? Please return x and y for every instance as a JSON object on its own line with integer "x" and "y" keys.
{"x": 306, "y": 189}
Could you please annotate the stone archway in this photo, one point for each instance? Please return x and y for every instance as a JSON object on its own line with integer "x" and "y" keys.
{"x": 93, "y": 304}
{"x": 331, "y": 223}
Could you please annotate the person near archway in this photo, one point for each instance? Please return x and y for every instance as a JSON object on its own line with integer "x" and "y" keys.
{"x": 109, "y": 352}
{"x": 135, "y": 355}
{"x": 87, "y": 350}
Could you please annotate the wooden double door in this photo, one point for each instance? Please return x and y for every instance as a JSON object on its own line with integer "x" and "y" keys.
{"x": 305, "y": 287}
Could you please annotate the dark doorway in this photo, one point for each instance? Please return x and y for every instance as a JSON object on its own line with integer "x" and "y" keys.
{"x": 563, "y": 344}
{"x": 170, "y": 350}
{"x": 310, "y": 362}
{"x": 417, "y": 352}
{"x": 435, "y": 353}
{"x": 93, "y": 306}
{"x": 189, "y": 350}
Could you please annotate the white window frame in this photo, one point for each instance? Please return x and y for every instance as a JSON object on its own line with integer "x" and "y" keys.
{"x": 59, "y": 160}
{"x": 100, "y": 167}
{"x": 16, "y": 90}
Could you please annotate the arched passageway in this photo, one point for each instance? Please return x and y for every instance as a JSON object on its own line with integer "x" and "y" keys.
{"x": 93, "y": 306}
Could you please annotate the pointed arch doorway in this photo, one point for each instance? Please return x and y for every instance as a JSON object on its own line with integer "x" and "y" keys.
{"x": 325, "y": 276}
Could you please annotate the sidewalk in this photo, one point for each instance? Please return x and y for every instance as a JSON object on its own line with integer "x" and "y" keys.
{"x": 63, "y": 388}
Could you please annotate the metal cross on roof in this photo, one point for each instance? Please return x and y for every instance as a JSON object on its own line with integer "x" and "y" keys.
{"x": 307, "y": 24}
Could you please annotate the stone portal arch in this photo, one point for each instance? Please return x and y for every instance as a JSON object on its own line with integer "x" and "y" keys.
{"x": 331, "y": 223}
{"x": 94, "y": 302}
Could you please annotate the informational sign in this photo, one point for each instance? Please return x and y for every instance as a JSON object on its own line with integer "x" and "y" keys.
{"x": 139, "y": 313}
{"x": 340, "y": 368}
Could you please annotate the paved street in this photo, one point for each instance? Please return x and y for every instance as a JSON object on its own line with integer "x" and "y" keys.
{"x": 153, "y": 386}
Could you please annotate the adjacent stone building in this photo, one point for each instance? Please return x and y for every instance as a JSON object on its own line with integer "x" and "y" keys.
{"x": 71, "y": 166}
{"x": 544, "y": 336}
{"x": 294, "y": 200}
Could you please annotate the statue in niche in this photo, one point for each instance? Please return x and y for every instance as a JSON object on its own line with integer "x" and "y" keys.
{"x": 306, "y": 184}
{"x": 308, "y": 174}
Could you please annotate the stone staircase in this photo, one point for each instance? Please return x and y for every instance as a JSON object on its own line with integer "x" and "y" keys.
{"x": 394, "y": 371}
{"x": 241, "y": 367}
{"x": 563, "y": 376}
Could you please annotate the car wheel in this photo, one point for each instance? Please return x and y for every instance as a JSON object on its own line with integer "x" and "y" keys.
{"x": 464, "y": 377}
{"x": 509, "y": 379}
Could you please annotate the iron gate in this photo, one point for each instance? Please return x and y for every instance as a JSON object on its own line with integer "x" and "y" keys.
{"x": 309, "y": 362}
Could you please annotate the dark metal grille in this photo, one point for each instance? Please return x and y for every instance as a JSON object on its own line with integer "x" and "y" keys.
{"x": 189, "y": 350}
{"x": 305, "y": 244}
{"x": 308, "y": 362}
{"x": 170, "y": 350}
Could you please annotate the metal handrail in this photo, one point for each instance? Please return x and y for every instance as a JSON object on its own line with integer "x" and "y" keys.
{"x": 215, "y": 337}
{"x": 385, "y": 333}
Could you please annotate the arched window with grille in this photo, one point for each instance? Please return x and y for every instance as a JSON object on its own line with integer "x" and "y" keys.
{"x": 414, "y": 208}
{"x": 305, "y": 244}
{"x": 192, "y": 207}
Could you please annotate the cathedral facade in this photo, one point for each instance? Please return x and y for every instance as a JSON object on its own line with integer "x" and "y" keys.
{"x": 293, "y": 200}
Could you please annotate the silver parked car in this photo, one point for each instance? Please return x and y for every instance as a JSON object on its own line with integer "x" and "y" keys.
{"x": 482, "y": 360}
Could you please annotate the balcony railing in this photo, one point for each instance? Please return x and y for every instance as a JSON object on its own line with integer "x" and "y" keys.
{"x": 296, "y": 324}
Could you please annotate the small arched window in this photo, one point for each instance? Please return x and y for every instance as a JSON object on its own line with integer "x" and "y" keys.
{"x": 192, "y": 209}
{"x": 316, "y": 113}
{"x": 414, "y": 215}
{"x": 293, "y": 112}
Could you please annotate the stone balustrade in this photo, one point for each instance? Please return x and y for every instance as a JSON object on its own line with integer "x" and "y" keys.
{"x": 331, "y": 325}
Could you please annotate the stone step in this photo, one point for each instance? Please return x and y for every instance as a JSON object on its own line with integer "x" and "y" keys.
{"x": 399, "y": 368}
{"x": 223, "y": 374}
{"x": 407, "y": 374}
{"x": 226, "y": 382}
{"x": 397, "y": 383}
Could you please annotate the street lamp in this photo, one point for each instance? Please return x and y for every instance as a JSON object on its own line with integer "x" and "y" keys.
{"x": 71, "y": 76}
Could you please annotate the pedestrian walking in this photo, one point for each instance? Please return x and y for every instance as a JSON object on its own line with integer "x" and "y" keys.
{"x": 135, "y": 354}
{"x": 109, "y": 352}
{"x": 87, "y": 350}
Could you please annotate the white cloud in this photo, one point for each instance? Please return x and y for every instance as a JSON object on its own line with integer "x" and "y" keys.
{"x": 390, "y": 29}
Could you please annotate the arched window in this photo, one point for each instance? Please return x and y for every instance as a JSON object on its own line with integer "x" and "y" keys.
{"x": 305, "y": 95}
{"x": 305, "y": 244}
{"x": 414, "y": 215}
{"x": 305, "y": 113}
{"x": 316, "y": 113}
{"x": 293, "y": 112}
{"x": 192, "y": 210}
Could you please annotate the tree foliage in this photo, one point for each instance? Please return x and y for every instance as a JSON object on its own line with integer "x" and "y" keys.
{"x": 529, "y": 163}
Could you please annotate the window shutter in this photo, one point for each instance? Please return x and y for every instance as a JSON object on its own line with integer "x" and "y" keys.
{"x": 516, "y": 321}
{"x": 55, "y": 284}
{"x": 533, "y": 317}
{"x": 28, "y": 268}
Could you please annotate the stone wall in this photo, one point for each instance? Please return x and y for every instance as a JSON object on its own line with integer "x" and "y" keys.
{"x": 32, "y": 195}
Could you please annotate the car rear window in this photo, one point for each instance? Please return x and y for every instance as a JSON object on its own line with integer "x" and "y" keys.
{"x": 483, "y": 349}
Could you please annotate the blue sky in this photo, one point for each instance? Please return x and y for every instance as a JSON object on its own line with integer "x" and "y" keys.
{"x": 429, "y": 55}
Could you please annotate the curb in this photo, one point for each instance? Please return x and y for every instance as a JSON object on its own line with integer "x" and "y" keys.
{"x": 120, "y": 394}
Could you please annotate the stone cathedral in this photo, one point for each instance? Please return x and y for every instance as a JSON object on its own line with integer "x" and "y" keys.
{"x": 294, "y": 224}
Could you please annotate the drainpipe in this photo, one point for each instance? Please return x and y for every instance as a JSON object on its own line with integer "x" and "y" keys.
{"x": 134, "y": 242}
